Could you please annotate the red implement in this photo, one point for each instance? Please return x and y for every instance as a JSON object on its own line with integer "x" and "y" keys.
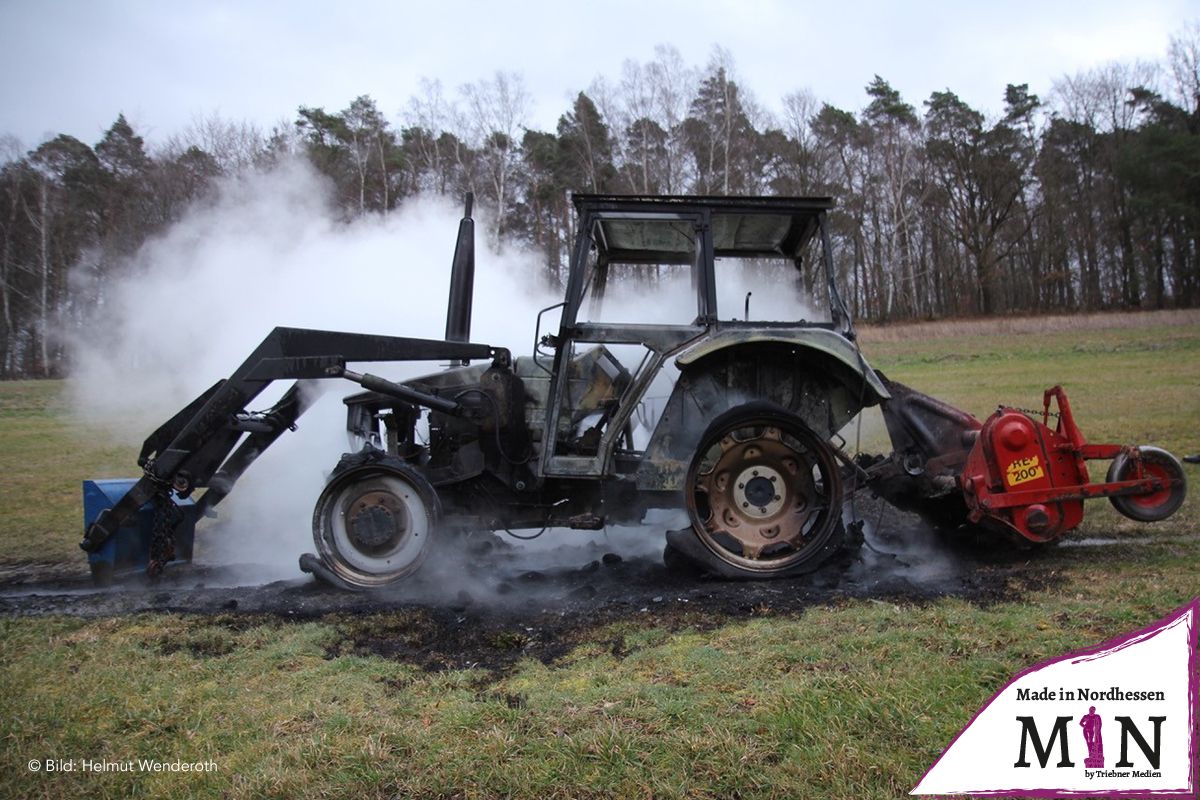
{"x": 1022, "y": 475}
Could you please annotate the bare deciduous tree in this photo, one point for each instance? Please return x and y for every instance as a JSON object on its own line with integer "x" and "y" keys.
{"x": 232, "y": 145}
{"x": 673, "y": 83}
{"x": 1183, "y": 60}
{"x": 497, "y": 110}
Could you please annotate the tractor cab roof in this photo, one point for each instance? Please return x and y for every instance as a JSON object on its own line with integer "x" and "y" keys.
{"x": 646, "y": 229}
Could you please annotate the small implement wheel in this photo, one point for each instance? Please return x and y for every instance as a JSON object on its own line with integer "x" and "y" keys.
{"x": 1156, "y": 463}
{"x": 764, "y": 493}
{"x": 373, "y": 523}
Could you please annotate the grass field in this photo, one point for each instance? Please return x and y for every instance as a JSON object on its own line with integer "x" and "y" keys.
{"x": 853, "y": 699}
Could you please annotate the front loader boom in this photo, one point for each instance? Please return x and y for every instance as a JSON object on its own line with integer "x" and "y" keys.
{"x": 193, "y": 448}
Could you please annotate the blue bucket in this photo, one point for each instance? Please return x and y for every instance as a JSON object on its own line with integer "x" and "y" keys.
{"x": 128, "y": 550}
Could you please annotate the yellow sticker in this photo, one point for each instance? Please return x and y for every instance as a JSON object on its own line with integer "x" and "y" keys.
{"x": 1023, "y": 470}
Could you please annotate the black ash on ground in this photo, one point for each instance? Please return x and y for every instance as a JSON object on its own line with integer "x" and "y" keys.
{"x": 490, "y": 604}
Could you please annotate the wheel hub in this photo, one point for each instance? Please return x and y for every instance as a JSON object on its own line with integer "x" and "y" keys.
{"x": 759, "y": 490}
{"x": 376, "y": 521}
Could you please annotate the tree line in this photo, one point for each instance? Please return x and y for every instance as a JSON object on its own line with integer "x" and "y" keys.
{"x": 1086, "y": 200}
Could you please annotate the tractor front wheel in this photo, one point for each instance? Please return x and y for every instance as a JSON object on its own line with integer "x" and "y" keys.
{"x": 373, "y": 523}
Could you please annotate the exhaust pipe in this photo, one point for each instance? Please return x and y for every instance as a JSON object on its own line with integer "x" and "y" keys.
{"x": 462, "y": 281}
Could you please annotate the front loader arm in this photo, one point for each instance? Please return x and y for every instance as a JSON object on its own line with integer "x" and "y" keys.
{"x": 263, "y": 430}
{"x": 193, "y": 448}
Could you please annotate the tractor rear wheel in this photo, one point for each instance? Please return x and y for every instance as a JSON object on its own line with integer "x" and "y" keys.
{"x": 373, "y": 523}
{"x": 1156, "y": 463}
{"x": 764, "y": 493}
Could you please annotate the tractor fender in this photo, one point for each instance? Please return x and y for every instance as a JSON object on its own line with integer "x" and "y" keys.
{"x": 822, "y": 383}
{"x": 818, "y": 340}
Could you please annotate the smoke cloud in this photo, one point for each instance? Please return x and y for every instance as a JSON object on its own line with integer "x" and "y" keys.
{"x": 268, "y": 249}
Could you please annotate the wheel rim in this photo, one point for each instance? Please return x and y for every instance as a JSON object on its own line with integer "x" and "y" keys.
{"x": 372, "y": 526}
{"x": 1154, "y": 500}
{"x": 764, "y": 493}
{"x": 1155, "y": 463}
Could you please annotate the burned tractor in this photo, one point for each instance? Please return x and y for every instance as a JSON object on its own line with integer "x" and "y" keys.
{"x": 682, "y": 375}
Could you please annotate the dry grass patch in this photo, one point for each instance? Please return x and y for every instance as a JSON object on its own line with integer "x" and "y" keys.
{"x": 1054, "y": 323}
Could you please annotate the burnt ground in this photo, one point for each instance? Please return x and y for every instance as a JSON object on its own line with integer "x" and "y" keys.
{"x": 493, "y": 603}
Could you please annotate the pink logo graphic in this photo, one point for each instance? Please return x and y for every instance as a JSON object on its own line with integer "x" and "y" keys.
{"x": 1141, "y": 692}
{"x": 1091, "y": 724}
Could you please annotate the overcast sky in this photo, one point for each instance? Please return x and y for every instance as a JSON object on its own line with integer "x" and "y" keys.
{"x": 71, "y": 66}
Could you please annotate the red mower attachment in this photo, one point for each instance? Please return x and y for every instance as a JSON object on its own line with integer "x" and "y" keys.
{"x": 1023, "y": 476}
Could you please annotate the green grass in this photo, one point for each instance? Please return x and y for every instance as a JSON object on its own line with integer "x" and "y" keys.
{"x": 850, "y": 700}
{"x": 1135, "y": 385}
{"x": 44, "y": 454}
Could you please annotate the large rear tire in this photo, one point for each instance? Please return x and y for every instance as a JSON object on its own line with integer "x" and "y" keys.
{"x": 373, "y": 523}
{"x": 764, "y": 494}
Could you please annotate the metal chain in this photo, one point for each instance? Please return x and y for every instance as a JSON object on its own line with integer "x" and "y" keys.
{"x": 167, "y": 517}
{"x": 1035, "y": 413}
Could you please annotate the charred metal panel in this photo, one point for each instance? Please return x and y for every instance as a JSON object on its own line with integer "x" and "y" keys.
{"x": 931, "y": 441}
{"x": 924, "y": 429}
{"x": 826, "y": 341}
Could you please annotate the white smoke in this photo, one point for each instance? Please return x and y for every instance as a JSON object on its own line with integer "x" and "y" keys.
{"x": 268, "y": 249}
